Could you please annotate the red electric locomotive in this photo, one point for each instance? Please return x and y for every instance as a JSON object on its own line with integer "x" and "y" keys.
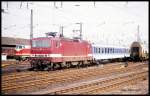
{"x": 57, "y": 52}
{"x": 22, "y": 52}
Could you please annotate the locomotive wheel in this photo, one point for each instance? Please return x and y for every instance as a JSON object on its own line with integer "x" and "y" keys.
{"x": 60, "y": 66}
{"x": 79, "y": 65}
{"x": 54, "y": 67}
{"x": 49, "y": 66}
{"x": 68, "y": 64}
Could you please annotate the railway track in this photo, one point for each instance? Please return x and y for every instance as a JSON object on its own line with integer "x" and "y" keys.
{"x": 44, "y": 80}
{"x": 12, "y": 77}
{"x": 103, "y": 85}
{"x": 28, "y": 74}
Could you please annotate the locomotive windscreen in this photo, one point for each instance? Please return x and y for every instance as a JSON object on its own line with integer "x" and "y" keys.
{"x": 41, "y": 43}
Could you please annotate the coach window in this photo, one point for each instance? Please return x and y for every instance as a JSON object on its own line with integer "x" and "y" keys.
{"x": 107, "y": 50}
{"x": 110, "y": 50}
{"x": 99, "y": 50}
{"x": 96, "y": 50}
{"x": 103, "y": 50}
{"x": 114, "y": 50}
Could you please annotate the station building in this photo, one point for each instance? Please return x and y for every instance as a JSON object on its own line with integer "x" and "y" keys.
{"x": 8, "y": 46}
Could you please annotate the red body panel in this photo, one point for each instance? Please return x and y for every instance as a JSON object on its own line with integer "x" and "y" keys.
{"x": 23, "y": 52}
{"x": 62, "y": 50}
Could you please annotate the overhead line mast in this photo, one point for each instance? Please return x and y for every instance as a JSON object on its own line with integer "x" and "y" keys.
{"x": 31, "y": 25}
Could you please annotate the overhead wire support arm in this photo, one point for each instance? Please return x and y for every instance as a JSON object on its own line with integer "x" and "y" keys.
{"x": 31, "y": 26}
{"x": 94, "y": 3}
{"x": 27, "y": 5}
{"x": 7, "y": 5}
{"x": 61, "y": 4}
{"x": 20, "y": 4}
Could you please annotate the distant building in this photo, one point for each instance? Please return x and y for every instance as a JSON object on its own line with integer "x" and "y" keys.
{"x": 9, "y": 44}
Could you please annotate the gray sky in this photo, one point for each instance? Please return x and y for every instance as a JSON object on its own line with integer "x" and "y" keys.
{"x": 104, "y": 23}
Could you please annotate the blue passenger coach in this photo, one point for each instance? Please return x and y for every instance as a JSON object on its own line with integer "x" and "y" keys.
{"x": 101, "y": 52}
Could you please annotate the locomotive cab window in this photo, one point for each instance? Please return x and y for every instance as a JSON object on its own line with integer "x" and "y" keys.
{"x": 41, "y": 43}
